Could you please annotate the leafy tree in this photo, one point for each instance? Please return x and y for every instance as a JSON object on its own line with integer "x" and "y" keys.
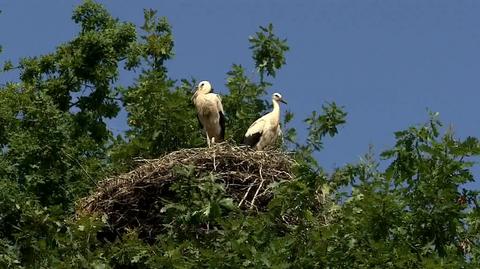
{"x": 268, "y": 51}
{"x": 410, "y": 209}
{"x": 160, "y": 115}
{"x": 54, "y": 135}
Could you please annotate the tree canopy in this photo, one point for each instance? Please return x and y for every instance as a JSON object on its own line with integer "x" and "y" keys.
{"x": 407, "y": 209}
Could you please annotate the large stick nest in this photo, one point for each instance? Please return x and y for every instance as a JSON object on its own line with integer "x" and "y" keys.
{"x": 135, "y": 199}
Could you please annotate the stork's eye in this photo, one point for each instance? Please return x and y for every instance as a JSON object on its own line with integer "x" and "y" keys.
{"x": 201, "y": 84}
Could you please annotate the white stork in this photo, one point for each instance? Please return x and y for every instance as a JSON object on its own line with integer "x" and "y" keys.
{"x": 265, "y": 131}
{"x": 209, "y": 112}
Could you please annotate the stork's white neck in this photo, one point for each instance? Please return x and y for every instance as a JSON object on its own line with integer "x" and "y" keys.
{"x": 276, "y": 111}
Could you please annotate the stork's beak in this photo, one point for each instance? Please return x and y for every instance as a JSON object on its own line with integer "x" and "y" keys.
{"x": 283, "y": 101}
{"x": 195, "y": 93}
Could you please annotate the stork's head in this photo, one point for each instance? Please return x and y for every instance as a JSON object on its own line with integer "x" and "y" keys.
{"x": 278, "y": 97}
{"x": 204, "y": 87}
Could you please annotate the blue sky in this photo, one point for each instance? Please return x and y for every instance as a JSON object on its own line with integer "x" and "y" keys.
{"x": 386, "y": 62}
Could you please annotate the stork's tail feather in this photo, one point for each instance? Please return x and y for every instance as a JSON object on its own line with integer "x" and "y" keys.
{"x": 222, "y": 126}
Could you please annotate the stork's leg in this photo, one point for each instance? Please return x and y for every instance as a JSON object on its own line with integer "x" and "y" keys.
{"x": 213, "y": 140}
{"x": 208, "y": 139}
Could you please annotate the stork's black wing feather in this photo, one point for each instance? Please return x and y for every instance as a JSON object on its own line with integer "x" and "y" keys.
{"x": 222, "y": 125}
{"x": 252, "y": 140}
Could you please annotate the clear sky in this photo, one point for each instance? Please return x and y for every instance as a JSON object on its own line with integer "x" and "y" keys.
{"x": 385, "y": 61}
